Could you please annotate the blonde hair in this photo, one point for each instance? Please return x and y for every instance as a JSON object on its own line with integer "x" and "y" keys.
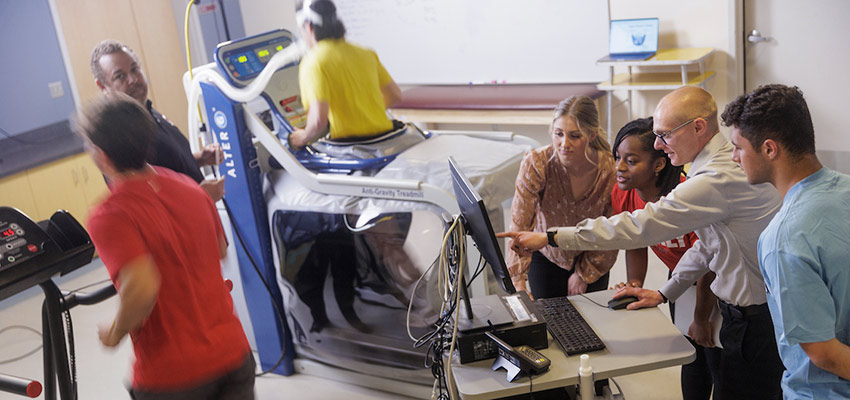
{"x": 583, "y": 111}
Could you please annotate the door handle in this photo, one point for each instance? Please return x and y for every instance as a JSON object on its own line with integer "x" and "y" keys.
{"x": 755, "y": 37}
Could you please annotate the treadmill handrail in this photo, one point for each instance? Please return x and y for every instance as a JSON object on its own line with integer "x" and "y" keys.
{"x": 288, "y": 55}
{"x": 74, "y": 299}
{"x": 360, "y": 186}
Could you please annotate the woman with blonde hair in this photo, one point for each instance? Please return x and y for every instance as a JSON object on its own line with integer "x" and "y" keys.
{"x": 559, "y": 185}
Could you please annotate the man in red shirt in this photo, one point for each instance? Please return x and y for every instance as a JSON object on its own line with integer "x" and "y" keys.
{"x": 160, "y": 238}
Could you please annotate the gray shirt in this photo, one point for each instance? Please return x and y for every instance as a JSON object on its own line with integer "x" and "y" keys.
{"x": 719, "y": 205}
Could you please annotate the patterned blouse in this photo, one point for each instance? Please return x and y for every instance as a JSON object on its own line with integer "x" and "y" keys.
{"x": 544, "y": 199}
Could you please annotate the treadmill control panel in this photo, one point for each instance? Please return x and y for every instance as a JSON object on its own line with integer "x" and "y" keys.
{"x": 245, "y": 62}
{"x": 240, "y": 61}
{"x": 19, "y": 240}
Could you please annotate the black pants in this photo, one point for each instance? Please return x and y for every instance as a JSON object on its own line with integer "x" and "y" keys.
{"x": 333, "y": 252}
{"x": 750, "y": 367}
{"x": 699, "y": 376}
{"x": 235, "y": 385}
{"x": 547, "y": 279}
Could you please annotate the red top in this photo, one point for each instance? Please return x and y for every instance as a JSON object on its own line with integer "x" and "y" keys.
{"x": 192, "y": 335}
{"x": 670, "y": 251}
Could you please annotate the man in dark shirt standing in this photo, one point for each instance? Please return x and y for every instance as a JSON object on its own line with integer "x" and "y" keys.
{"x": 116, "y": 68}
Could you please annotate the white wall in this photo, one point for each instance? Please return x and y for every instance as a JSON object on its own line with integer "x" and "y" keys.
{"x": 688, "y": 23}
{"x": 264, "y": 15}
{"x": 683, "y": 23}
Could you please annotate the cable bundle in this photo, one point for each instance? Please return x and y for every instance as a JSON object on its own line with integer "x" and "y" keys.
{"x": 444, "y": 335}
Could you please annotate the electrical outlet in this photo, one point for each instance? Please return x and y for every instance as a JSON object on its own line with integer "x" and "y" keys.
{"x": 56, "y": 89}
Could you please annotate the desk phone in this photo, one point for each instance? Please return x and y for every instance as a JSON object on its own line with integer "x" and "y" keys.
{"x": 525, "y": 358}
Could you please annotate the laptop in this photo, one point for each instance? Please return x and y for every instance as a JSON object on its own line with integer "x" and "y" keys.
{"x": 632, "y": 39}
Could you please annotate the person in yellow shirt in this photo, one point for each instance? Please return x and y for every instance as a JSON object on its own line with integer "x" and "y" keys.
{"x": 342, "y": 85}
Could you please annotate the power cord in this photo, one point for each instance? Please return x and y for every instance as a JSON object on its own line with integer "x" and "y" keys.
{"x": 70, "y": 328}
{"x": 478, "y": 270}
{"x": 619, "y": 389}
{"x": 449, "y": 274}
{"x": 27, "y": 354}
{"x": 254, "y": 264}
{"x": 590, "y": 300}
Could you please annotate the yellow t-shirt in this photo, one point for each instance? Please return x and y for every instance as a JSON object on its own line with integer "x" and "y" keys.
{"x": 349, "y": 78}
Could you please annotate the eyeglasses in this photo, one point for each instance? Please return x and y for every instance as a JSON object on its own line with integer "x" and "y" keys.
{"x": 663, "y": 135}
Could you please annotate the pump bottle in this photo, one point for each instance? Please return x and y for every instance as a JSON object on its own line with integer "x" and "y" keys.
{"x": 585, "y": 378}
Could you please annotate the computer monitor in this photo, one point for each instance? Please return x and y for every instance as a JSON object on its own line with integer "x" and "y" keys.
{"x": 477, "y": 223}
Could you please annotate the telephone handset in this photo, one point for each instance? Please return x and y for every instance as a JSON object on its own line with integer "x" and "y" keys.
{"x": 523, "y": 357}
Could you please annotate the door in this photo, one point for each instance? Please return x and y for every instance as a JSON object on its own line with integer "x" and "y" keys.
{"x": 148, "y": 27}
{"x": 804, "y": 44}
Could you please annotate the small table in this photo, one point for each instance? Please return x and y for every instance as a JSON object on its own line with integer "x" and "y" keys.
{"x": 656, "y": 80}
{"x": 635, "y": 341}
{"x": 521, "y": 104}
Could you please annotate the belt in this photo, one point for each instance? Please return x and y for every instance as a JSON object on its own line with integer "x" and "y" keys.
{"x": 733, "y": 311}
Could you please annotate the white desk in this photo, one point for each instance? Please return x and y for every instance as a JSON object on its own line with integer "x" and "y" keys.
{"x": 683, "y": 58}
{"x": 635, "y": 341}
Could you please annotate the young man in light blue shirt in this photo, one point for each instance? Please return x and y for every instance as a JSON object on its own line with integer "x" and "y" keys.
{"x": 804, "y": 253}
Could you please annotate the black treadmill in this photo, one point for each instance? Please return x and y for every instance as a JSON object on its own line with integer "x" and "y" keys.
{"x": 32, "y": 254}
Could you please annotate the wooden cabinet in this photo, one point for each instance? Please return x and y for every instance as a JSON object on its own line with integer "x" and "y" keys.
{"x": 15, "y": 192}
{"x": 73, "y": 183}
{"x": 92, "y": 183}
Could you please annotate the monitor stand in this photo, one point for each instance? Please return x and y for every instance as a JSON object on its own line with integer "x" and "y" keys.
{"x": 481, "y": 312}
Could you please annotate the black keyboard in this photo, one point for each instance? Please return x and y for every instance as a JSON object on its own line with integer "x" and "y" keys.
{"x": 567, "y": 326}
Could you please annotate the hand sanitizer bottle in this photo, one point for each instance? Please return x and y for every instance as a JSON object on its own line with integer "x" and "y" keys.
{"x": 585, "y": 379}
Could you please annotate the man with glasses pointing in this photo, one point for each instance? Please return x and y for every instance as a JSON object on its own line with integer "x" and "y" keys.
{"x": 726, "y": 213}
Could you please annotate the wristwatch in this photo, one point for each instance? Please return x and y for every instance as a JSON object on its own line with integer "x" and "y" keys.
{"x": 550, "y": 235}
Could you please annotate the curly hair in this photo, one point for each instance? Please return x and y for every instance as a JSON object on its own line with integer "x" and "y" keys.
{"x": 641, "y": 129}
{"x": 775, "y": 112}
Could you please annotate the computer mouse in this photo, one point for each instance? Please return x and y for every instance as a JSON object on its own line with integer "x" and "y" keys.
{"x": 621, "y": 303}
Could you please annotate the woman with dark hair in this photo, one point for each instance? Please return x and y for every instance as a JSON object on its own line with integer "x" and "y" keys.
{"x": 342, "y": 85}
{"x": 559, "y": 185}
{"x": 644, "y": 175}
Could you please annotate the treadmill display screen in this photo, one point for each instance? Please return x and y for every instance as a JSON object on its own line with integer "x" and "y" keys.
{"x": 245, "y": 63}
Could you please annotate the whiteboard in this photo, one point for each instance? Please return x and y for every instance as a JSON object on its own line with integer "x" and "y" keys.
{"x": 482, "y": 41}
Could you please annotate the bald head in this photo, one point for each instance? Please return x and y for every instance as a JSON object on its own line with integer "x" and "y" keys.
{"x": 689, "y": 102}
